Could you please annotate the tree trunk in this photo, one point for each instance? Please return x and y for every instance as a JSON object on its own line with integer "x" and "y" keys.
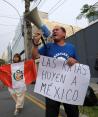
{"x": 27, "y": 33}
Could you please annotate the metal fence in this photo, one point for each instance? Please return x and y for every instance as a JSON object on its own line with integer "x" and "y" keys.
{"x": 86, "y": 42}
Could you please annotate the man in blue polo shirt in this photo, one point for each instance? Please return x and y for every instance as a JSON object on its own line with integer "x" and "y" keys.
{"x": 60, "y": 50}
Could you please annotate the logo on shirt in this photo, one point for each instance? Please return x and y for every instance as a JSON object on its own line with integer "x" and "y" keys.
{"x": 62, "y": 56}
{"x": 18, "y": 75}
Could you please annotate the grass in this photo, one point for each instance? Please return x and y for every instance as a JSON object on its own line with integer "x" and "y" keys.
{"x": 89, "y": 111}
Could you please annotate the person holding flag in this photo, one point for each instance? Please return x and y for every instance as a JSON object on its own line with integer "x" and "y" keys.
{"x": 16, "y": 76}
{"x": 18, "y": 94}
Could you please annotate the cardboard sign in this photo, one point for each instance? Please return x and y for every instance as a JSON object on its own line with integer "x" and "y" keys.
{"x": 57, "y": 81}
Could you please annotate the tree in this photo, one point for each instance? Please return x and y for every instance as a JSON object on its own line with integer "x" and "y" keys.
{"x": 89, "y": 11}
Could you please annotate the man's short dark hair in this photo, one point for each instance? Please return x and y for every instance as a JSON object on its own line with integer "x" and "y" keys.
{"x": 63, "y": 29}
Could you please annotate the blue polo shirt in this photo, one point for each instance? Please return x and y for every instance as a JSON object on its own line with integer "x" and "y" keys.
{"x": 60, "y": 52}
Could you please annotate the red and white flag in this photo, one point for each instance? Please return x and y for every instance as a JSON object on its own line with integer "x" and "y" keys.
{"x": 18, "y": 74}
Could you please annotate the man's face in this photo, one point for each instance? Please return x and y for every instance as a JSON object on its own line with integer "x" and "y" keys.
{"x": 58, "y": 34}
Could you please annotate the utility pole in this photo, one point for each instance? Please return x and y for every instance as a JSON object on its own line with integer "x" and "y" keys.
{"x": 27, "y": 32}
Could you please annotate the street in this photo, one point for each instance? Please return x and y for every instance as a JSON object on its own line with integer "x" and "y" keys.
{"x": 7, "y": 106}
{"x": 34, "y": 104}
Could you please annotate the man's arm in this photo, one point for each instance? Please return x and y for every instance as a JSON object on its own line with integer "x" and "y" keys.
{"x": 35, "y": 53}
{"x": 36, "y": 38}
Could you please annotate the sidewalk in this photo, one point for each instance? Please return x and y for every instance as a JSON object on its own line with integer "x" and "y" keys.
{"x": 95, "y": 87}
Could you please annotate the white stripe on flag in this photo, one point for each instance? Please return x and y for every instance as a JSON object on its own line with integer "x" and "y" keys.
{"x": 18, "y": 79}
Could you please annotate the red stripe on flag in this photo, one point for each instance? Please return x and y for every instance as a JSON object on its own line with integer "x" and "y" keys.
{"x": 5, "y": 75}
{"x": 30, "y": 71}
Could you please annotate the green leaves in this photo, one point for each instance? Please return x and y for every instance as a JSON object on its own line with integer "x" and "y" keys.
{"x": 87, "y": 11}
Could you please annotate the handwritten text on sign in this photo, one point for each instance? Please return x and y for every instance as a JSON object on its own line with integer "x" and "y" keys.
{"x": 57, "y": 81}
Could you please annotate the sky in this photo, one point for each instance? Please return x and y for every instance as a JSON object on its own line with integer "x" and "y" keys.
{"x": 65, "y": 12}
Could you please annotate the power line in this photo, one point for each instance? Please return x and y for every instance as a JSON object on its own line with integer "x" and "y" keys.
{"x": 9, "y": 17}
{"x": 52, "y": 10}
{"x": 42, "y": 3}
{"x": 6, "y": 33}
{"x": 13, "y": 7}
{"x": 15, "y": 10}
{"x": 54, "y": 6}
{"x": 7, "y": 25}
{"x": 37, "y": 3}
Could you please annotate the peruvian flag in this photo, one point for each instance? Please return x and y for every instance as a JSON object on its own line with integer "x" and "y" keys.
{"x": 17, "y": 75}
